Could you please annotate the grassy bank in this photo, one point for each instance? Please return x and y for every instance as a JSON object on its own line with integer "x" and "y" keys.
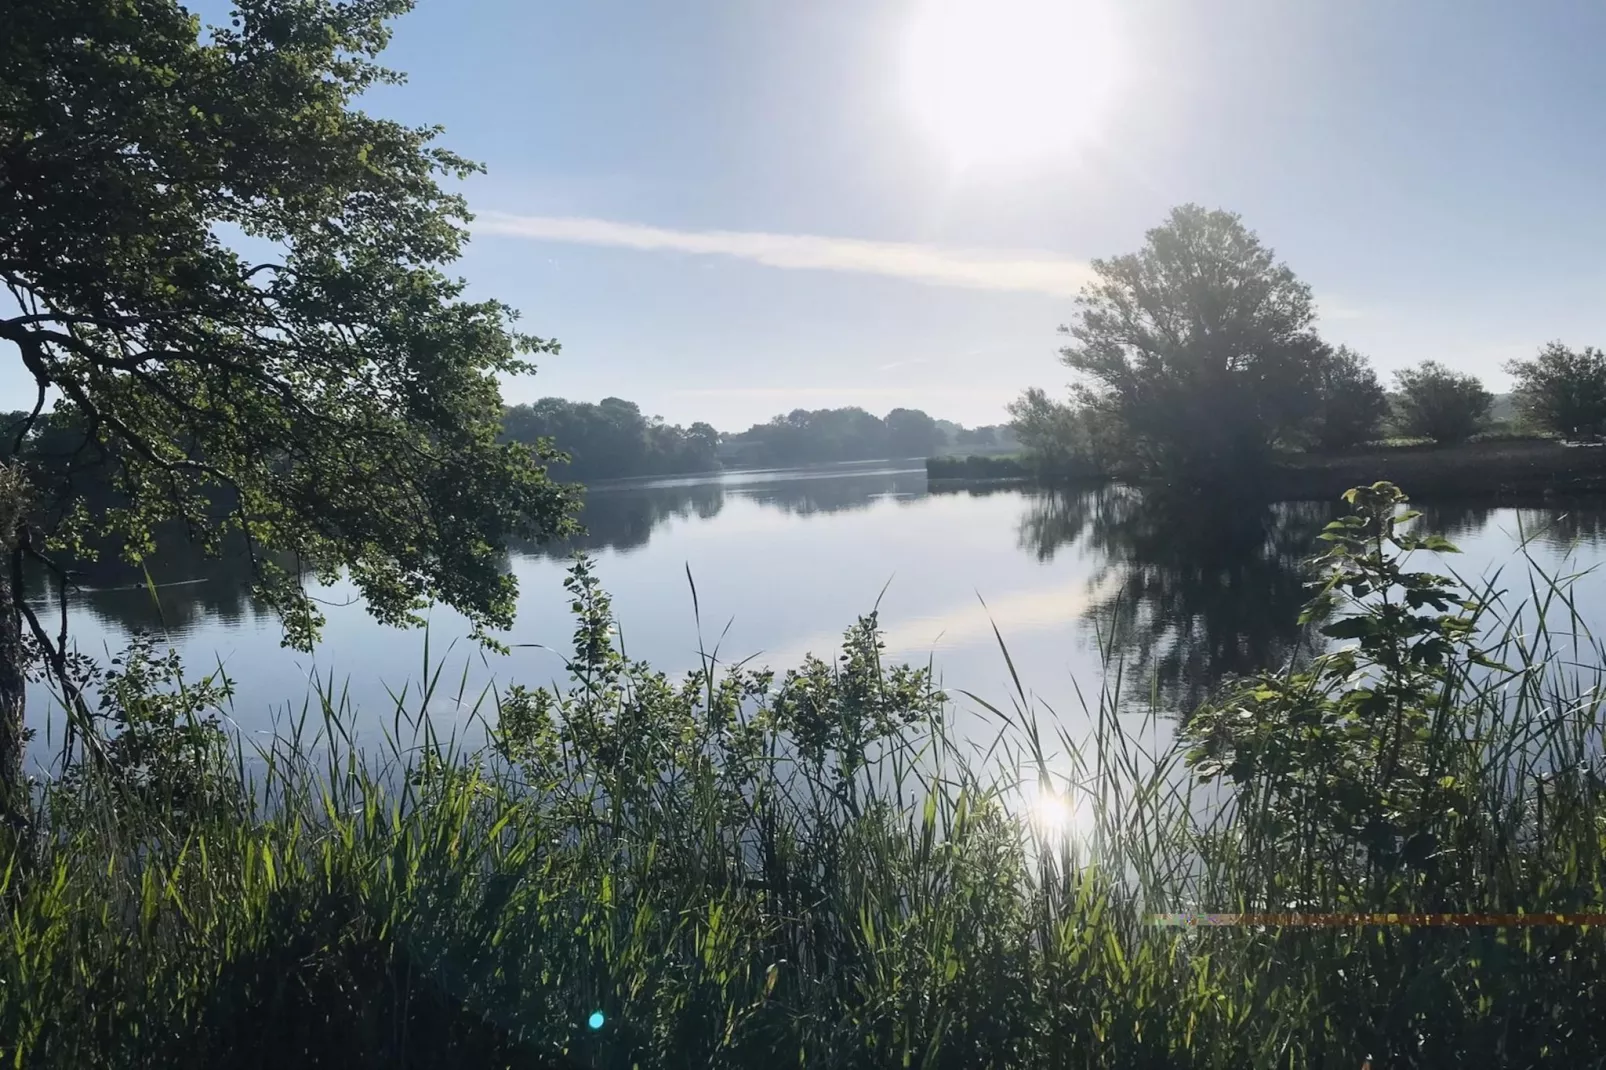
{"x": 740, "y": 869}
{"x": 996, "y": 468}
{"x": 1512, "y": 468}
{"x": 978, "y": 467}
{"x": 1515, "y": 468}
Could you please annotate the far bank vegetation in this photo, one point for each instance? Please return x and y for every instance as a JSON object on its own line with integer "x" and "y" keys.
{"x": 1197, "y": 363}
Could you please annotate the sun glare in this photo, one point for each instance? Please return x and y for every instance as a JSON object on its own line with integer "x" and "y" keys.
{"x": 1052, "y": 814}
{"x": 1007, "y": 81}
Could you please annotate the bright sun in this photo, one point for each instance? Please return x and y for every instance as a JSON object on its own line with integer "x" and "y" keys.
{"x": 1006, "y": 81}
{"x": 1052, "y": 813}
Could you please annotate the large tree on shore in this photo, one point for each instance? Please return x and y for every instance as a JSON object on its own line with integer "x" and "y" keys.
{"x": 230, "y": 282}
{"x": 1563, "y": 390}
{"x": 1350, "y": 402}
{"x": 1436, "y": 402}
{"x": 1201, "y": 345}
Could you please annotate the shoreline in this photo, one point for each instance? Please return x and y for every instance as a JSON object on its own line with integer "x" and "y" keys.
{"x": 1524, "y": 470}
{"x": 1534, "y": 468}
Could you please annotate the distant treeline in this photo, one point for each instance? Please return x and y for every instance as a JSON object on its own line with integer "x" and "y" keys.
{"x": 822, "y": 436}
{"x": 613, "y": 439}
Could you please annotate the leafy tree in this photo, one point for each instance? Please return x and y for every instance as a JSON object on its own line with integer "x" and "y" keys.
{"x": 332, "y": 398}
{"x": 704, "y": 440}
{"x": 1435, "y": 402}
{"x": 1201, "y": 345}
{"x": 1350, "y": 402}
{"x": 1064, "y": 438}
{"x": 1563, "y": 390}
{"x": 911, "y": 433}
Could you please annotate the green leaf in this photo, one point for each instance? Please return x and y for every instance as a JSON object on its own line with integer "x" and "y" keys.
{"x": 1357, "y": 627}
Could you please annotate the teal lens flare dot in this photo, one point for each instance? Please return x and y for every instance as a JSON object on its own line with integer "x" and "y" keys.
{"x": 596, "y": 1020}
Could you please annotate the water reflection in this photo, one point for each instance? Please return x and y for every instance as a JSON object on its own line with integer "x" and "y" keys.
{"x": 1188, "y": 593}
{"x": 622, "y": 517}
{"x": 1559, "y": 527}
{"x": 842, "y": 494}
{"x": 1574, "y": 525}
{"x": 195, "y": 592}
{"x": 1181, "y": 592}
{"x": 1453, "y": 520}
{"x": 175, "y": 593}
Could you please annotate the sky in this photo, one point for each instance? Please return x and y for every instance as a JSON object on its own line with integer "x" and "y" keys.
{"x": 725, "y": 209}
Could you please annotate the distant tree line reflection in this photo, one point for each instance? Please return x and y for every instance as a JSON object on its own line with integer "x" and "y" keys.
{"x": 1186, "y": 592}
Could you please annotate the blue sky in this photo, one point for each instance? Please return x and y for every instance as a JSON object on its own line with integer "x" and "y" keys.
{"x": 727, "y": 208}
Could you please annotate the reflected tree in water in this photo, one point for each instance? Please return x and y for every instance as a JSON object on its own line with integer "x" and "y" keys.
{"x": 1559, "y": 527}
{"x": 1577, "y": 525}
{"x": 178, "y": 591}
{"x": 1453, "y": 520}
{"x": 624, "y": 518}
{"x": 193, "y": 590}
{"x": 1188, "y": 591}
{"x": 837, "y": 494}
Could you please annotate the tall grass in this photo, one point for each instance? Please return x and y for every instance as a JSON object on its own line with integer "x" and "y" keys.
{"x": 739, "y": 870}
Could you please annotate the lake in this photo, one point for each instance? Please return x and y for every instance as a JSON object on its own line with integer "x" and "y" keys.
{"x": 783, "y": 561}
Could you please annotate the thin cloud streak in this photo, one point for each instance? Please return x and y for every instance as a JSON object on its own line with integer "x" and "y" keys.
{"x": 976, "y": 269}
{"x": 822, "y": 391}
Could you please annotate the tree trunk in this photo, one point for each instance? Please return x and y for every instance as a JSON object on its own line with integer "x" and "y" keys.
{"x": 13, "y": 800}
{"x": 11, "y": 699}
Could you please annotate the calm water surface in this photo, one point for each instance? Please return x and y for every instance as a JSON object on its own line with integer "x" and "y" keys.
{"x": 783, "y": 561}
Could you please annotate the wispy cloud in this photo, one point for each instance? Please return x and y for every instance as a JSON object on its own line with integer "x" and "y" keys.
{"x": 912, "y": 362}
{"x": 976, "y": 269}
{"x": 843, "y": 394}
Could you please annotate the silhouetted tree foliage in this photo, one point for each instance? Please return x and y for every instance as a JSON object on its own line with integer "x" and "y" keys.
{"x": 1562, "y": 390}
{"x": 1200, "y": 345}
{"x": 1350, "y": 402}
{"x": 1432, "y": 401}
{"x": 611, "y": 439}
